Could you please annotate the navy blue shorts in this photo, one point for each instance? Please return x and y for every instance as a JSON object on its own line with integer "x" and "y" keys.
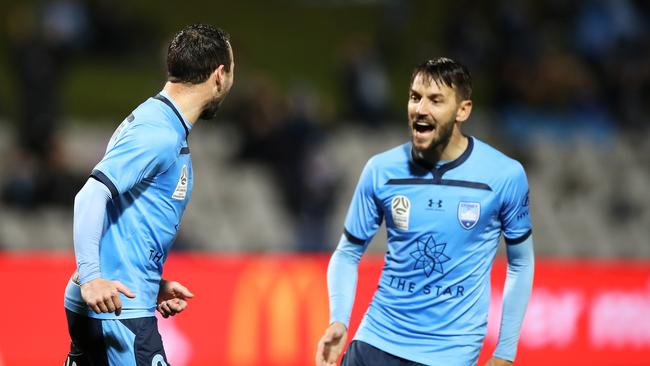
{"x": 362, "y": 354}
{"x": 97, "y": 342}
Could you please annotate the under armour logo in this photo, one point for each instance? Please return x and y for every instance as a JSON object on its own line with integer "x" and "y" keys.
{"x": 438, "y": 203}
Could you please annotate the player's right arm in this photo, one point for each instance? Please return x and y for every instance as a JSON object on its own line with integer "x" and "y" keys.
{"x": 89, "y": 212}
{"x": 363, "y": 219}
{"x": 135, "y": 152}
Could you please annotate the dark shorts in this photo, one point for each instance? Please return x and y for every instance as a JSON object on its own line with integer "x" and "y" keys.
{"x": 362, "y": 354}
{"x": 97, "y": 342}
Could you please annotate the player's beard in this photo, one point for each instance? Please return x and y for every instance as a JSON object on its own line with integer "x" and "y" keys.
{"x": 211, "y": 108}
{"x": 438, "y": 143}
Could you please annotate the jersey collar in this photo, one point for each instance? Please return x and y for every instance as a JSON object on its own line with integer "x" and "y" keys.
{"x": 440, "y": 170}
{"x": 163, "y": 97}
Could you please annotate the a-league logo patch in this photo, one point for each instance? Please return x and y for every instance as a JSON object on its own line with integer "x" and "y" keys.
{"x": 181, "y": 187}
{"x": 468, "y": 214}
{"x": 401, "y": 209}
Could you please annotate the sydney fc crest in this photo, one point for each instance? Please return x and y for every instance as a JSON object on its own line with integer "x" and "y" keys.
{"x": 401, "y": 210}
{"x": 468, "y": 214}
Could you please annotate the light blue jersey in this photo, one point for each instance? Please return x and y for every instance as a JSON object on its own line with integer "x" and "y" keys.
{"x": 443, "y": 225}
{"x": 148, "y": 170}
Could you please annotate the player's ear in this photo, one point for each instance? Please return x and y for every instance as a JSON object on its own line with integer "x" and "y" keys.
{"x": 464, "y": 110}
{"x": 219, "y": 77}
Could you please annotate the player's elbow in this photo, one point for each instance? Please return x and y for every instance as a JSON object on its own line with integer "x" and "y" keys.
{"x": 347, "y": 254}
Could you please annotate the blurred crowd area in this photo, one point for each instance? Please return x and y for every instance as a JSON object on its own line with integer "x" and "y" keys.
{"x": 321, "y": 86}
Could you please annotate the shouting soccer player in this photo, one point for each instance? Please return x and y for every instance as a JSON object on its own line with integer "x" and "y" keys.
{"x": 128, "y": 213}
{"x": 446, "y": 198}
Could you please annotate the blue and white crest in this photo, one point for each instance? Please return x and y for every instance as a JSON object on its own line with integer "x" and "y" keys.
{"x": 468, "y": 214}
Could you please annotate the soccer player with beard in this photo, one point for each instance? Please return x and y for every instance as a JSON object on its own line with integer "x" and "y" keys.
{"x": 446, "y": 198}
{"x": 128, "y": 213}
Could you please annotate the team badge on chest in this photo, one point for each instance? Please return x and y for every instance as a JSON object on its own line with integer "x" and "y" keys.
{"x": 468, "y": 214}
{"x": 181, "y": 186}
{"x": 401, "y": 209}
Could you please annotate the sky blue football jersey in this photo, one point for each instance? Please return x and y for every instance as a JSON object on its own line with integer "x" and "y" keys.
{"x": 148, "y": 169}
{"x": 443, "y": 227}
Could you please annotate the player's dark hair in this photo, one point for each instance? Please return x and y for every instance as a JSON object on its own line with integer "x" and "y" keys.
{"x": 449, "y": 72}
{"x": 195, "y": 52}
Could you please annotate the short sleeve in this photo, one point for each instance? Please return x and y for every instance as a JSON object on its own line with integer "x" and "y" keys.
{"x": 364, "y": 214}
{"x": 515, "y": 210}
{"x": 139, "y": 152}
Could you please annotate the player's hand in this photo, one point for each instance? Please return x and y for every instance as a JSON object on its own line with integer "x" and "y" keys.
{"x": 331, "y": 344}
{"x": 172, "y": 298}
{"x": 103, "y": 296}
{"x": 495, "y": 361}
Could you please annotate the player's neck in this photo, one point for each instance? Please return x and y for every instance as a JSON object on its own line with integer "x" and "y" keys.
{"x": 456, "y": 146}
{"x": 189, "y": 99}
{"x": 453, "y": 150}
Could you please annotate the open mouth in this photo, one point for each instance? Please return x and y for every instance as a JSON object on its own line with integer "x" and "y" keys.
{"x": 422, "y": 127}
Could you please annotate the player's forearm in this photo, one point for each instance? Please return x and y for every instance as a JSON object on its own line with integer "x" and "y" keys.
{"x": 89, "y": 215}
{"x": 517, "y": 290}
{"x": 342, "y": 279}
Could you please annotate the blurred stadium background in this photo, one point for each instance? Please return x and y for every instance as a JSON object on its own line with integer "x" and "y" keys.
{"x": 320, "y": 87}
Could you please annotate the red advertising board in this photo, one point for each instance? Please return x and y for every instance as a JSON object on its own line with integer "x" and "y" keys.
{"x": 271, "y": 310}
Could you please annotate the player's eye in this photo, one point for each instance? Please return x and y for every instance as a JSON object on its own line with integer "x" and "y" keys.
{"x": 414, "y": 97}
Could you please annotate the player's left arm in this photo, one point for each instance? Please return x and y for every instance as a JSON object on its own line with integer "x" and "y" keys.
{"x": 172, "y": 298}
{"x": 517, "y": 230}
{"x": 516, "y": 293}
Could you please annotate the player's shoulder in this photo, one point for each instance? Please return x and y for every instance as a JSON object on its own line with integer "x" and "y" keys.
{"x": 495, "y": 160}
{"x": 152, "y": 123}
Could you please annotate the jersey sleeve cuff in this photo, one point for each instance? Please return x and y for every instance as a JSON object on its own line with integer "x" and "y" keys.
{"x": 504, "y": 356}
{"x": 86, "y": 276}
{"x": 340, "y": 320}
{"x": 519, "y": 239}
{"x": 102, "y": 178}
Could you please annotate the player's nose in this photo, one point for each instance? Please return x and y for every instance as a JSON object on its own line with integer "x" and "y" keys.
{"x": 422, "y": 108}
